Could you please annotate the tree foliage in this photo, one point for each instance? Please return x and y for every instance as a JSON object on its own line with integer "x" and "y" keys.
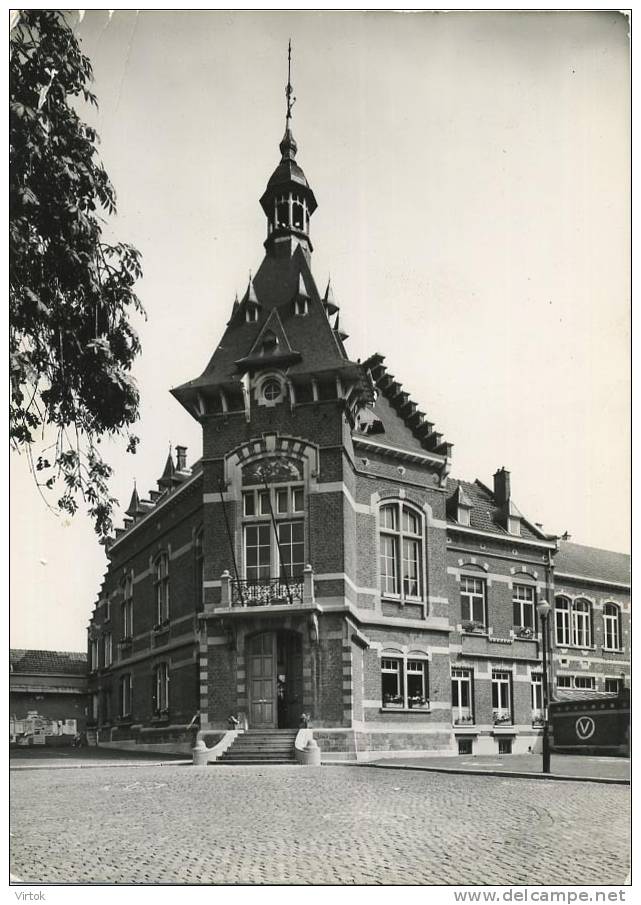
{"x": 72, "y": 344}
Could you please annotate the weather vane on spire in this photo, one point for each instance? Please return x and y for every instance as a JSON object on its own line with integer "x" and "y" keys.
{"x": 291, "y": 100}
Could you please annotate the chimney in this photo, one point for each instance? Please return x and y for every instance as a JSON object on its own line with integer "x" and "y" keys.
{"x": 502, "y": 486}
{"x": 181, "y": 458}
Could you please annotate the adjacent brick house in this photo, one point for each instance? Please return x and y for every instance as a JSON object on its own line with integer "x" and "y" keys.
{"x": 47, "y": 694}
{"x": 319, "y": 559}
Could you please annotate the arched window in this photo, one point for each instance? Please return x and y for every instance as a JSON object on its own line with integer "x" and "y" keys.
{"x": 161, "y": 586}
{"x": 161, "y": 690}
{"x": 199, "y": 569}
{"x": 611, "y": 627}
{"x": 127, "y": 608}
{"x": 282, "y": 213}
{"x": 562, "y": 621}
{"x": 581, "y": 623}
{"x": 401, "y": 552}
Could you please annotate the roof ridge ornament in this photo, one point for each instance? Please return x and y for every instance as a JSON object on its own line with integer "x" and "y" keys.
{"x": 288, "y": 146}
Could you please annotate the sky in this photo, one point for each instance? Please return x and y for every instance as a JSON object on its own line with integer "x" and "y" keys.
{"x": 472, "y": 176}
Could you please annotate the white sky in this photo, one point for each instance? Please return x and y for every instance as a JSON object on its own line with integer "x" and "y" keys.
{"x": 472, "y": 175}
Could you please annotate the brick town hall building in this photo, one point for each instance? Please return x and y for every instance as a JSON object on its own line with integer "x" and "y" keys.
{"x": 319, "y": 559}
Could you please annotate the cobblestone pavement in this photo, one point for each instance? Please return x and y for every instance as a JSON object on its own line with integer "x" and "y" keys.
{"x": 346, "y": 825}
{"x": 560, "y": 764}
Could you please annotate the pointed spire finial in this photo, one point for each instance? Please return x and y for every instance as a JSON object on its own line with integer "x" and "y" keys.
{"x": 291, "y": 100}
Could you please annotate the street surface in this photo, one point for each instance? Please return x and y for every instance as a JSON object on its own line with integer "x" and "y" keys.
{"x": 560, "y": 764}
{"x": 316, "y": 825}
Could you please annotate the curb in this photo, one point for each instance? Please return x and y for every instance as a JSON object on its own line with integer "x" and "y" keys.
{"x": 516, "y": 774}
{"x": 101, "y": 766}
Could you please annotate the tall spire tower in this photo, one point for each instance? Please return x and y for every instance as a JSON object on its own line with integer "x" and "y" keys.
{"x": 288, "y": 200}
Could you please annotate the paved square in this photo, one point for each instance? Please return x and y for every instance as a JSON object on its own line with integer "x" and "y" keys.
{"x": 313, "y": 825}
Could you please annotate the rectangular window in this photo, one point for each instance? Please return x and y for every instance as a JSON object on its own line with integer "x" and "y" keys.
{"x": 162, "y": 590}
{"x": 417, "y": 691}
{"x": 389, "y": 577}
{"x": 465, "y": 746}
{"x": 562, "y": 623}
{"x": 249, "y": 504}
{"x": 537, "y": 697}
{"x": 127, "y": 619}
{"x": 282, "y": 502}
{"x": 391, "y": 682}
{"x": 257, "y": 552}
{"x": 523, "y": 600}
{"x": 106, "y": 705}
{"x": 291, "y": 541}
{"x": 581, "y": 628}
{"x": 462, "y": 709}
{"x": 298, "y": 499}
{"x": 125, "y": 695}
{"x": 473, "y": 600}
{"x": 613, "y": 686}
{"x": 107, "y": 649}
{"x": 94, "y": 654}
{"x": 501, "y": 696}
{"x": 411, "y": 568}
{"x": 587, "y": 682}
{"x": 505, "y": 746}
{"x": 263, "y": 498}
{"x": 107, "y": 610}
{"x": 564, "y": 681}
{"x": 161, "y": 697}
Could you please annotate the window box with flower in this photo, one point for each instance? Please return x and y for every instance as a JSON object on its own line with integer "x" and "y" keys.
{"x": 524, "y": 632}
{"x": 476, "y": 628}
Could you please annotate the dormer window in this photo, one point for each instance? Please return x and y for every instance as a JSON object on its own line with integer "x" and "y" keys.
{"x": 301, "y": 307}
{"x": 251, "y": 314}
{"x": 463, "y": 516}
{"x": 514, "y": 526}
{"x": 270, "y": 342}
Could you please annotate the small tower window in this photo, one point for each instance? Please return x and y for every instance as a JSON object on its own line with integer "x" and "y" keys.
{"x": 298, "y": 213}
{"x": 282, "y": 213}
{"x": 301, "y": 306}
{"x": 270, "y": 342}
{"x": 251, "y": 314}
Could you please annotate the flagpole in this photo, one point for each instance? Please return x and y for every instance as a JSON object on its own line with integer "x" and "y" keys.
{"x": 280, "y": 554}
{"x": 231, "y": 544}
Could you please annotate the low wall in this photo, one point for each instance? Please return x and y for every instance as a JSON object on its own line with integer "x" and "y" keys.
{"x": 172, "y": 739}
{"x": 363, "y": 745}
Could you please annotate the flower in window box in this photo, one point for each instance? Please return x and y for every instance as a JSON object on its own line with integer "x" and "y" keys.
{"x": 462, "y": 720}
{"x": 416, "y": 701}
{"x": 500, "y": 717}
{"x": 472, "y": 626}
{"x": 524, "y": 632}
{"x": 392, "y": 700}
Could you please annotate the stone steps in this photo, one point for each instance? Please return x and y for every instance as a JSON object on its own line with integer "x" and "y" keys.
{"x": 264, "y": 746}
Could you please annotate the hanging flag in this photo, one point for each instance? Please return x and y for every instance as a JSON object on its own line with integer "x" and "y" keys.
{"x": 244, "y": 380}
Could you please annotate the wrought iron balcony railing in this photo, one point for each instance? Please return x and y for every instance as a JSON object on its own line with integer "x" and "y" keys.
{"x": 267, "y": 591}
{"x": 259, "y": 592}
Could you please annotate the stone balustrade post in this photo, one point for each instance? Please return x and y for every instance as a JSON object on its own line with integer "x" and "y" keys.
{"x": 225, "y": 589}
{"x": 308, "y": 584}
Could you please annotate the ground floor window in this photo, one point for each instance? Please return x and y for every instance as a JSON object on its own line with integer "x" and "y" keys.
{"x": 505, "y": 746}
{"x": 462, "y": 706}
{"x": 564, "y": 681}
{"x": 537, "y": 697}
{"x": 584, "y": 682}
{"x": 404, "y": 683}
{"x": 161, "y": 689}
{"x": 465, "y": 746}
{"x": 613, "y": 685}
{"x": 501, "y": 696}
{"x": 125, "y": 695}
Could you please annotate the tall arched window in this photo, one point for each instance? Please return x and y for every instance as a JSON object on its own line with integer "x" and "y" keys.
{"x": 562, "y": 621}
{"x": 611, "y": 627}
{"x": 127, "y": 608}
{"x": 581, "y": 623}
{"x": 401, "y": 552}
{"x": 161, "y": 585}
{"x": 161, "y": 690}
{"x": 199, "y": 564}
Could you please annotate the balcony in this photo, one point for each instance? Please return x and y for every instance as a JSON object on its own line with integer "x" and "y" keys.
{"x": 238, "y": 594}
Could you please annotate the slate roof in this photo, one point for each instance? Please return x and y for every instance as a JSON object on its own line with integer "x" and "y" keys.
{"x": 485, "y": 514}
{"x": 48, "y": 662}
{"x": 592, "y": 562}
{"x": 276, "y": 284}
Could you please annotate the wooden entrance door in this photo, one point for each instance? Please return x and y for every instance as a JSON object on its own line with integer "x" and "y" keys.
{"x": 262, "y": 681}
